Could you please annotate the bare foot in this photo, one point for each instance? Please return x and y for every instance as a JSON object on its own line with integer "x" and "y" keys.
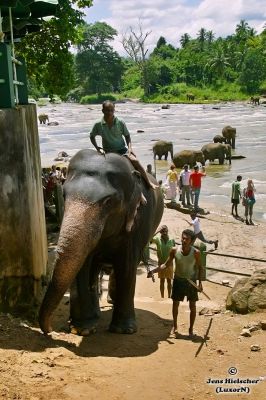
{"x": 174, "y": 330}
{"x": 190, "y": 332}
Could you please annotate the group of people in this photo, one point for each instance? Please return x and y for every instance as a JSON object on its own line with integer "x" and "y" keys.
{"x": 247, "y": 196}
{"x": 187, "y": 182}
{"x": 50, "y": 179}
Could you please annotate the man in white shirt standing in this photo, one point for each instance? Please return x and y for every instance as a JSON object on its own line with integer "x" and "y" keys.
{"x": 185, "y": 186}
{"x": 197, "y": 231}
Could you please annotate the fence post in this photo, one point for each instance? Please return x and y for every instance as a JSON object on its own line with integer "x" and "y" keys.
{"x": 7, "y": 96}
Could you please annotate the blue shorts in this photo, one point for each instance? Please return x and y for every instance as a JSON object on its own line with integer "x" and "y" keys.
{"x": 182, "y": 288}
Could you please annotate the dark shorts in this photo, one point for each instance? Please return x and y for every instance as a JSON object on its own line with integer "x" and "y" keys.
{"x": 235, "y": 201}
{"x": 122, "y": 152}
{"x": 182, "y": 288}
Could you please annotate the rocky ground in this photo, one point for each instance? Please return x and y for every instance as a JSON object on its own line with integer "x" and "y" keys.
{"x": 151, "y": 364}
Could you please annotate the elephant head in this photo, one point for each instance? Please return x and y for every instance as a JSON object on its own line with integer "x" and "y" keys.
{"x": 162, "y": 148}
{"x": 219, "y": 139}
{"x": 229, "y": 134}
{"x": 102, "y": 198}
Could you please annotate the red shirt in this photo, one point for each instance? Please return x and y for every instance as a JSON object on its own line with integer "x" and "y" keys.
{"x": 195, "y": 179}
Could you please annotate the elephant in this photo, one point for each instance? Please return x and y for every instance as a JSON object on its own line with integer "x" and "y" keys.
{"x": 43, "y": 118}
{"x": 102, "y": 193}
{"x": 219, "y": 139}
{"x": 221, "y": 151}
{"x": 230, "y": 134}
{"x": 162, "y": 148}
{"x": 255, "y": 100}
{"x": 165, "y": 106}
{"x": 189, "y": 157}
{"x": 190, "y": 96}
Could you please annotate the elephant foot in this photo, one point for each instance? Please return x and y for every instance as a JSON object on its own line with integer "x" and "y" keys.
{"x": 125, "y": 327}
{"x": 82, "y": 331}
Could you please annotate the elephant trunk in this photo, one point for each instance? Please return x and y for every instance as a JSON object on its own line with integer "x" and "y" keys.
{"x": 77, "y": 239}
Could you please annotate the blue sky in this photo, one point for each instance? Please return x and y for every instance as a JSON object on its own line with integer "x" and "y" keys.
{"x": 172, "y": 18}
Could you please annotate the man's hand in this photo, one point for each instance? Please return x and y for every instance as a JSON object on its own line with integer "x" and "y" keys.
{"x": 101, "y": 150}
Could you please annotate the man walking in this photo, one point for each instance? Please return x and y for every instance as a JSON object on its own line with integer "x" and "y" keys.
{"x": 187, "y": 267}
{"x": 198, "y": 232}
{"x": 195, "y": 183}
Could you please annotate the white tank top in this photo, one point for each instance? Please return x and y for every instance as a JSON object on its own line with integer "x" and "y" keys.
{"x": 185, "y": 266}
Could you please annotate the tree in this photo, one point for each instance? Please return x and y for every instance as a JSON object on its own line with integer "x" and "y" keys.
{"x": 161, "y": 42}
{"x": 52, "y": 44}
{"x": 218, "y": 62}
{"x": 99, "y": 67}
{"x": 253, "y": 70}
{"x": 184, "y": 39}
{"x": 134, "y": 44}
{"x": 202, "y": 37}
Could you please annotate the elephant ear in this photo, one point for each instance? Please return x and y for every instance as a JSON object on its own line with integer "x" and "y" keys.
{"x": 137, "y": 198}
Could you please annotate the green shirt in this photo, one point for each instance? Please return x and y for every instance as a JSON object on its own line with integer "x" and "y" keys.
{"x": 112, "y": 138}
{"x": 236, "y": 190}
{"x": 163, "y": 248}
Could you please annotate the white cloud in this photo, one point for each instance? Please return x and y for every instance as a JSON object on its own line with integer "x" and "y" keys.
{"x": 172, "y": 18}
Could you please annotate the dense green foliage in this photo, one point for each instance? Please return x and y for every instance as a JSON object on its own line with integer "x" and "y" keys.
{"x": 212, "y": 69}
{"x": 49, "y": 61}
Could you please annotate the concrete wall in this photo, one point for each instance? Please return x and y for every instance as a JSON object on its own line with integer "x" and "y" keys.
{"x": 23, "y": 243}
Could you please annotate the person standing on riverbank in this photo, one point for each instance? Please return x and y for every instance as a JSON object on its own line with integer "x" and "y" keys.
{"x": 195, "y": 183}
{"x": 164, "y": 244}
{"x": 116, "y": 139}
{"x": 236, "y": 195}
{"x": 249, "y": 201}
{"x": 185, "y": 186}
{"x": 187, "y": 266}
{"x": 172, "y": 179}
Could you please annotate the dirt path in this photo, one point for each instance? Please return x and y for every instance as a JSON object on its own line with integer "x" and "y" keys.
{"x": 151, "y": 364}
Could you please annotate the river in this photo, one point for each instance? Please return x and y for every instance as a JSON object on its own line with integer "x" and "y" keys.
{"x": 188, "y": 126}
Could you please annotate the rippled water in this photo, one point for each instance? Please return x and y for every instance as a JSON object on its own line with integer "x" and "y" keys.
{"x": 188, "y": 126}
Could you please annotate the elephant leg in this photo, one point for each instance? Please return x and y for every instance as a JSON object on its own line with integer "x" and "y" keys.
{"x": 84, "y": 302}
{"x": 123, "y": 318}
{"x": 233, "y": 143}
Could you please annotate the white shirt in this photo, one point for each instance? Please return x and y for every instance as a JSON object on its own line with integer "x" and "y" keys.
{"x": 184, "y": 175}
{"x": 196, "y": 225}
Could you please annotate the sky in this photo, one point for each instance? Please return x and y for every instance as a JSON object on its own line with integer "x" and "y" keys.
{"x": 172, "y": 18}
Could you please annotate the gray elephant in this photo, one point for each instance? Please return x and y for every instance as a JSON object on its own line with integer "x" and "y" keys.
{"x": 190, "y": 96}
{"x": 162, "y": 148}
{"x": 220, "y": 151}
{"x": 43, "y": 118}
{"x": 255, "y": 100}
{"x": 102, "y": 194}
{"x": 189, "y": 157}
{"x": 219, "y": 139}
{"x": 229, "y": 134}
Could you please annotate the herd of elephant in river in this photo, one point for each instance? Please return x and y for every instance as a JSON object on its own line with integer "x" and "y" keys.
{"x": 220, "y": 149}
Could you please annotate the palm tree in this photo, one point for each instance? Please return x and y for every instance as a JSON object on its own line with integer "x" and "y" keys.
{"x": 210, "y": 36}
{"x": 218, "y": 62}
{"x": 202, "y": 37}
{"x": 242, "y": 30}
{"x": 184, "y": 40}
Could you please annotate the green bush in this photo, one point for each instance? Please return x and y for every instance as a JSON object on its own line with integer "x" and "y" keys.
{"x": 97, "y": 99}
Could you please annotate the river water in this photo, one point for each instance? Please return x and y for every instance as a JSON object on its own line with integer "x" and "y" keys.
{"x": 188, "y": 126}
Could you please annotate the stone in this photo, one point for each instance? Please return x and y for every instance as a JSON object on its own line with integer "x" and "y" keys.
{"x": 225, "y": 282}
{"x": 253, "y": 326}
{"x": 248, "y": 294}
{"x": 255, "y": 347}
{"x": 263, "y": 325}
{"x": 245, "y": 332}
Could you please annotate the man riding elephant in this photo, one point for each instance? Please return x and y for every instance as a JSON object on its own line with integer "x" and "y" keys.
{"x": 101, "y": 193}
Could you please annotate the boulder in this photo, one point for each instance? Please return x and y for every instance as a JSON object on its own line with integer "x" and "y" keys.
{"x": 248, "y": 294}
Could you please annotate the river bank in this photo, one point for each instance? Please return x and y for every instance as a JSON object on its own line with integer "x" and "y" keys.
{"x": 151, "y": 364}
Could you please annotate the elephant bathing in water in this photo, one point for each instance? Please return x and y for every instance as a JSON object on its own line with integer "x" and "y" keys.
{"x": 162, "y": 148}
{"x": 213, "y": 151}
{"x": 43, "y": 118}
{"x": 229, "y": 134}
{"x": 189, "y": 157}
{"x": 102, "y": 193}
{"x": 219, "y": 139}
